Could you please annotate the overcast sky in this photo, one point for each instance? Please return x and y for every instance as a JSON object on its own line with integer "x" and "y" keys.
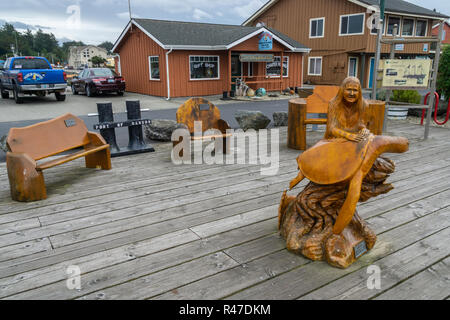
{"x": 103, "y": 20}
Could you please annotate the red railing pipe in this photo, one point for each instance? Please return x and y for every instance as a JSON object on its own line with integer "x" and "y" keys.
{"x": 435, "y": 109}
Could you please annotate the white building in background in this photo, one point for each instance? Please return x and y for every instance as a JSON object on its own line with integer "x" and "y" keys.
{"x": 79, "y": 56}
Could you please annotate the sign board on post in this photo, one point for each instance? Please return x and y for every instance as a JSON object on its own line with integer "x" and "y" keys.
{"x": 408, "y": 73}
{"x": 256, "y": 57}
{"x": 265, "y": 41}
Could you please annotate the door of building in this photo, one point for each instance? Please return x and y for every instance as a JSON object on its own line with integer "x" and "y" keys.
{"x": 236, "y": 69}
{"x": 371, "y": 65}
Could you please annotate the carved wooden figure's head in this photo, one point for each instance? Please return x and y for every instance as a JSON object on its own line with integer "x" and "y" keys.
{"x": 351, "y": 90}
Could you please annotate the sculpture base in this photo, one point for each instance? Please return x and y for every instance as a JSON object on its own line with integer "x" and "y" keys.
{"x": 317, "y": 241}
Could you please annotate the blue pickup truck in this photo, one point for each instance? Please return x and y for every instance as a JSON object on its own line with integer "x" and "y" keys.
{"x": 31, "y": 75}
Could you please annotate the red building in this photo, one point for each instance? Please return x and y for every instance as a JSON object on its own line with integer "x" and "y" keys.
{"x": 446, "y": 32}
{"x": 178, "y": 59}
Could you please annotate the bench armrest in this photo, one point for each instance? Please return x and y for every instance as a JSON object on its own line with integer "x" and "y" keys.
{"x": 96, "y": 139}
{"x": 223, "y": 125}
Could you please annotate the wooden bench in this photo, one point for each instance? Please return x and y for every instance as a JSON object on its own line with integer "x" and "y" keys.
{"x": 29, "y": 144}
{"x": 199, "y": 109}
{"x": 318, "y": 103}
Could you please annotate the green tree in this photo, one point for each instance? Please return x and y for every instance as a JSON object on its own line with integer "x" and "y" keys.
{"x": 97, "y": 61}
{"x": 443, "y": 78}
{"x": 106, "y": 45}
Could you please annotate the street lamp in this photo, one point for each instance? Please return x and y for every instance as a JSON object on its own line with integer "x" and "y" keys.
{"x": 12, "y": 49}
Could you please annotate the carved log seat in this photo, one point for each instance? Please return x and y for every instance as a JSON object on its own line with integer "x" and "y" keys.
{"x": 29, "y": 144}
{"x": 199, "y": 109}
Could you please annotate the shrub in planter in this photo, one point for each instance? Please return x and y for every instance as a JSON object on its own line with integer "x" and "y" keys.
{"x": 409, "y": 96}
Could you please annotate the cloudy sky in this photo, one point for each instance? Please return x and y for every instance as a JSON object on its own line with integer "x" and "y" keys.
{"x": 95, "y": 21}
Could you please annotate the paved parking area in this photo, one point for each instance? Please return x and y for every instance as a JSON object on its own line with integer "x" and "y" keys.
{"x": 36, "y": 108}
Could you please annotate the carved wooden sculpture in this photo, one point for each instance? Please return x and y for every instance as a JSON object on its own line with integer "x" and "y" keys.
{"x": 343, "y": 168}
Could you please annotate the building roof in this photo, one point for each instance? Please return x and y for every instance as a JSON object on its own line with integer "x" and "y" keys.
{"x": 401, "y": 6}
{"x": 81, "y": 48}
{"x": 391, "y": 6}
{"x": 203, "y": 36}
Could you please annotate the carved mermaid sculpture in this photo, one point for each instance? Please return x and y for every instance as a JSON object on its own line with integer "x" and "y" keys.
{"x": 343, "y": 168}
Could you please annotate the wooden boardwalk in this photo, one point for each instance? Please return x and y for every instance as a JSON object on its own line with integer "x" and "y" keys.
{"x": 149, "y": 229}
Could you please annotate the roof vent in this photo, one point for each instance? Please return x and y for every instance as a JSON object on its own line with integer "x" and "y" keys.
{"x": 260, "y": 24}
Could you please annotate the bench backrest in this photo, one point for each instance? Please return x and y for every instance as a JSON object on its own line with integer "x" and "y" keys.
{"x": 198, "y": 109}
{"x": 48, "y": 138}
{"x": 318, "y": 101}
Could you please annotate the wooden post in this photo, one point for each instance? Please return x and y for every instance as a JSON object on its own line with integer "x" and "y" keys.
{"x": 281, "y": 72}
{"x": 388, "y": 92}
{"x": 296, "y": 138}
{"x": 374, "y": 115}
{"x": 433, "y": 80}
{"x": 229, "y": 71}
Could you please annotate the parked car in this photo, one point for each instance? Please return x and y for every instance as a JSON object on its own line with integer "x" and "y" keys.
{"x": 98, "y": 80}
{"x": 31, "y": 75}
{"x": 70, "y": 75}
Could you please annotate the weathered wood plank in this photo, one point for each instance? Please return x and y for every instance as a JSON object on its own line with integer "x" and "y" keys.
{"x": 161, "y": 281}
{"x": 56, "y": 272}
{"x": 298, "y": 282}
{"x": 430, "y": 284}
{"x": 393, "y": 269}
{"x": 25, "y": 249}
{"x": 242, "y": 276}
{"x": 148, "y": 262}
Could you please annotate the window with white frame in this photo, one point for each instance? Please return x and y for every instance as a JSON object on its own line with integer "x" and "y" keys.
{"x": 273, "y": 68}
{"x": 204, "y": 67}
{"x": 352, "y": 24}
{"x": 315, "y": 66}
{"x": 153, "y": 65}
{"x": 391, "y": 22}
{"x": 408, "y": 27}
{"x": 316, "y": 27}
{"x": 421, "y": 28}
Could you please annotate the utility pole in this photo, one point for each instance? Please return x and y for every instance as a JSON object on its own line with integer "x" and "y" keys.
{"x": 378, "y": 50}
{"x": 129, "y": 11}
{"x": 434, "y": 79}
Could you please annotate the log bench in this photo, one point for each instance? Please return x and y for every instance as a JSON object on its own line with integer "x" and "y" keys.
{"x": 318, "y": 102}
{"x": 199, "y": 109}
{"x": 29, "y": 144}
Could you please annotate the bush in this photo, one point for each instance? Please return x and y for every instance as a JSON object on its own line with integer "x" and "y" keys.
{"x": 443, "y": 78}
{"x": 409, "y": 96}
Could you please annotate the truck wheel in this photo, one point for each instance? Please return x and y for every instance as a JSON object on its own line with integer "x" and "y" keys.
{"x": 74, "y": 91}
{"x": 88, "y": 91}
{"x": 60, "y": 97}
{"x": 5, "y": 94}
{"x": 16, "y": 96}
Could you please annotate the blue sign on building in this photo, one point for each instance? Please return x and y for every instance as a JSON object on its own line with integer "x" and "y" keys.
{"x": 265, "y": 41}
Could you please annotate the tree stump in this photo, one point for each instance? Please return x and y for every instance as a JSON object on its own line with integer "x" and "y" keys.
{"x": 306, "y": 221}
